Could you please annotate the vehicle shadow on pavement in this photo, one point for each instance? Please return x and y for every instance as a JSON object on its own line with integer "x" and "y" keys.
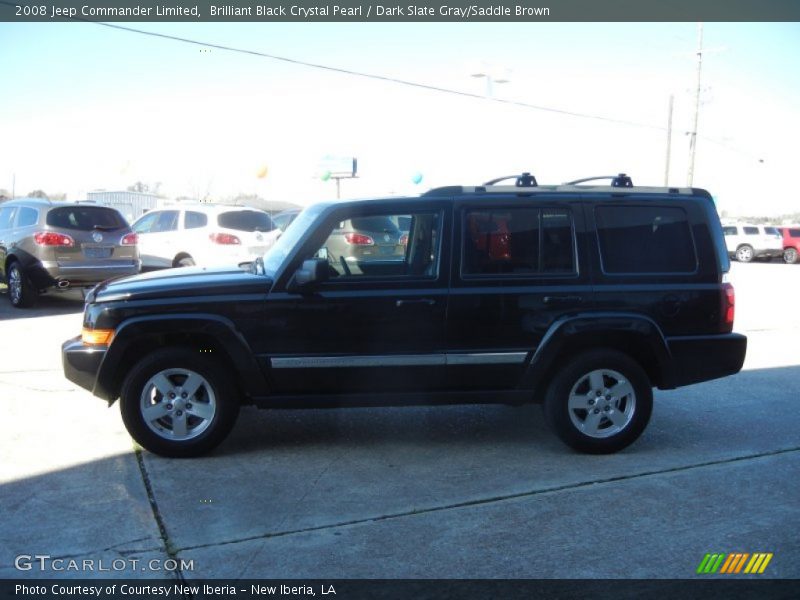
{"x": 55, "y": 303}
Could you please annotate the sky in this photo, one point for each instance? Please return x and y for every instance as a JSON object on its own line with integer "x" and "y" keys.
{"x": 86, "y": 107}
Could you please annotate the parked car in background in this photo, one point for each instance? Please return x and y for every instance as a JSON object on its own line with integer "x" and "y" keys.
{"x": 204, "y": 235}
{"x": 791, "y": 243}
{"x": 283, "y": 219}
{"x": 47, "y": 245}
{"x": 746, "y": 242}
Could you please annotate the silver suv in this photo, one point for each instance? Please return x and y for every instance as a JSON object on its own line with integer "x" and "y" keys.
{"x": 48, "y": 245}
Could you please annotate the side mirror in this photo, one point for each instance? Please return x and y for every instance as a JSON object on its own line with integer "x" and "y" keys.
{"x": 313, "y": 271}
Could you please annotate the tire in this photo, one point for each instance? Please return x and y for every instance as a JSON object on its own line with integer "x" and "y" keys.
{"x": 790, "y": 256}
{"x": 744, "y": 253}
{"x": 178, "y": 428}
{"x": 20, "y": 289}
{"x": 186, "y": 261}
{"x": 572, "y": 402}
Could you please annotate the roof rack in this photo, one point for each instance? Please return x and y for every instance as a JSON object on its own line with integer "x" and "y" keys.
{"x": 621, "y": 180}
{"x": 524, "y": 180}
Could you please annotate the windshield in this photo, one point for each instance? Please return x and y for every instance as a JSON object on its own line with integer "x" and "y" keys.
{"x": 275, "y": 256}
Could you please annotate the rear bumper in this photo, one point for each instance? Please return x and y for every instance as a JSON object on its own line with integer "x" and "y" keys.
{"x": 82, "y": 363}
{"x": 702, "y": 358}
{"x": 84, "y": 275}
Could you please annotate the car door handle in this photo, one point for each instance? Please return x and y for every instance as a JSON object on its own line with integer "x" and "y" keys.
{"x": 415, "y": 301}
{"x": 563, "y": 299}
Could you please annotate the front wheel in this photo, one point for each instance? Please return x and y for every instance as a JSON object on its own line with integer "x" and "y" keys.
{"x": 178, "y": 403}
{"x": 20, "y": 289}
{"x": 745, "y": 253}
{"x": 600, "y": 402}
{"x": 790, "y": 256}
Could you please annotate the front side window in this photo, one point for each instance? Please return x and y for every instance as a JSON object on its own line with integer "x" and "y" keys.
{"x": 167, "y": 221}
{"x": 795, "y": 233}
{"x": 771, "y": 231}
{"x": 645, "y": 240}
{"x": 729, "y": 230}
{"x": 517, "y": 241}
{"x": 367, "y": 246}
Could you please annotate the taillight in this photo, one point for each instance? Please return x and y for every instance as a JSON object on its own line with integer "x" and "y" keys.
{"x": 51, "y": 238}
{"x": 359, "y": 239}
{"x": 129, "y": 239}
{"x": 728, "y": 305}
{"x": 224, "y": 238}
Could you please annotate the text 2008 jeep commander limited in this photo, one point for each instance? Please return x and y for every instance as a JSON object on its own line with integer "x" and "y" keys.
{"x": 582, "y": 297}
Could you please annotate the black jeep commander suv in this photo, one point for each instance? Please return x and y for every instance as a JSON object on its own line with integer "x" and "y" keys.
{"x": 582, "y": 297}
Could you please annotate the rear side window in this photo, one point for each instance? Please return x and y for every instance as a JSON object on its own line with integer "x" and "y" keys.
{"x": 750, "y": 230}
{"x": 27, "y": 217}
{"x": 245, "y": 220}
{"x": 645, "y": 239}
{"x": 85, "y": 218}
{"x": 195, "y": 220}
{"x": 517, "y": 241}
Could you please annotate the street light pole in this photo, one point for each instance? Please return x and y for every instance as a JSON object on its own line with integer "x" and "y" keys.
{"x": 693, "y": 133}
{"x": 669, "y": 139}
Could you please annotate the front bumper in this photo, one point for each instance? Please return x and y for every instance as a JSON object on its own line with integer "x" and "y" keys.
{"x": 702, "y": 358}
{"x": 82, "y": 363}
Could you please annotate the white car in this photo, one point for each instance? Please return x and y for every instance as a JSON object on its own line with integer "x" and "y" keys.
{"x": 746, "y": 242}
{"x": 206, "y": 235}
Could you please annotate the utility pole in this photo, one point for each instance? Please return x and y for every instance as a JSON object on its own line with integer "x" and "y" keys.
{"x": 693, "y": 132}
{"x": 669, "y": 138}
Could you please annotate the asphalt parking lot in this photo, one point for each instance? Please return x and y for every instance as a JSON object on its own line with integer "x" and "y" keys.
{"x": 455, "y": 492}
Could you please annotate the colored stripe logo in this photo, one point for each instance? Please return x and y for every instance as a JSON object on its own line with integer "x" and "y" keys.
{"x": 735, "y": 563}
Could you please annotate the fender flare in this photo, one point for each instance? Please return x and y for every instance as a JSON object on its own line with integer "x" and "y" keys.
{"x": 590, "y": 329}
{"x": 156, "y": 327}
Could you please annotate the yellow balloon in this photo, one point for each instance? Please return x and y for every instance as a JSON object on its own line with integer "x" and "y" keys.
{"x": 262, "y": 172}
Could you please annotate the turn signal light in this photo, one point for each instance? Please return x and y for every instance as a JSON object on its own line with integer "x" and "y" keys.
{"x": 51, "y": 238}
{"x": 224, "y": 238}
{"x": 359, "y": 239}
{"x": 97, "y": 337}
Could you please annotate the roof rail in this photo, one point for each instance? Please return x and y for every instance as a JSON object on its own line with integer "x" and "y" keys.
{"x": 524, "y": 180}
{"x": 621, "y": 180}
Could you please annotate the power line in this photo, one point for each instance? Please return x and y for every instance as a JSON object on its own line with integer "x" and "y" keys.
{"x": 395, "y": 80}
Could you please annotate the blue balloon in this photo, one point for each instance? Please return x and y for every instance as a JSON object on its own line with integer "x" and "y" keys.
{"x": 416, "y": 178}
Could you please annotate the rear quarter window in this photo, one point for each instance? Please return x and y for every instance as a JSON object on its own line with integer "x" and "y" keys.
{"x": 645, "y": 240}
{"x": 85, "y": 218}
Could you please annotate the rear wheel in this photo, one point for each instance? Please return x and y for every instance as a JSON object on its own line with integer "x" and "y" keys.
{"x": 790, "y": 256}
{"x": 185, "y": 261}
{"x": 744, "y": 253}
{"x": 178, "y": 403}
{"x": 600, "y": 402}
{"x": 20, "y": 289}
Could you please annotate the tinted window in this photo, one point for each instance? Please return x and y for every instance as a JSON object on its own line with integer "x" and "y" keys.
{"x": 373, "y": 224}
{"x": 729, "y": 230}
{"x": 518, "y": 241}
{"x": 771, "y": 231}
{"x": 85, "y": 218}
{"x": 750, "y": 230}
{"x": 245, "y": 220}
{"x": 795, "y": 233}
{"x": 645, "y": 239}
{"x": 195, "y": 220}
{"x": 6, "y": 216}
{"x": 27, "y": 217}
